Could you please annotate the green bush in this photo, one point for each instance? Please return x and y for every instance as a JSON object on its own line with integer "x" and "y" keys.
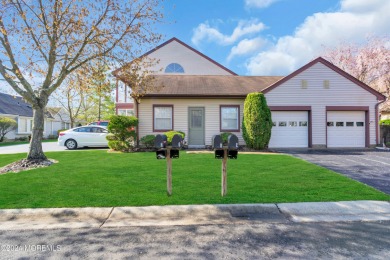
{"x": 22, "y": 138}
{"x": 148, "y": 141}
{"x": 6, "y": 125}
{"x": 257, "y": 121}
{"x": 110, "y": 137}
{"x": 225, "y": 136}
{"x": 123, "y": 133}
{"x": 387, "y": 144}
{"x": 123, "y": 146}
{"x": 170, "y": 135}
{"x": 384, "y": 122}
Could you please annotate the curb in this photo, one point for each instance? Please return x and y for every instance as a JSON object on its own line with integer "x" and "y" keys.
{"x": 56, "y": 218}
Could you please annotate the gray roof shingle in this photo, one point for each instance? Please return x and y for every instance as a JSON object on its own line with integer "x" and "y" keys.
{"x": 14, "y": 105}
{"x": 209, "y": 86}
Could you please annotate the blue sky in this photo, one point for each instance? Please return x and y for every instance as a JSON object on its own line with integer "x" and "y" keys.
{"x": 272, "y": 37}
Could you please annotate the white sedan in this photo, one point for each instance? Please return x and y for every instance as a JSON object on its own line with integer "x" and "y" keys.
{"x": 90, "y": 136}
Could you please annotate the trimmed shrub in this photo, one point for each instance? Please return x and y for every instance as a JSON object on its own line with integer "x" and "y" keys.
{"x": 257, "y": 121}
{"x": 384, "y": 122}
{"x": 22, "y": 138}
{"x": 170, "y": 135}
{"x": 122, "y": 133}
{"x": 148, "y": 141}
{"x": 225, "y": 136}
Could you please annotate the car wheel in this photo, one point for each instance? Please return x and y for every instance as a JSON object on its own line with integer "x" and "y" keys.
{"x": 71, "y": 144}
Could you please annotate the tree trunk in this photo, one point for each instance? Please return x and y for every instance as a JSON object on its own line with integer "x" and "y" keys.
{"x": 35, "y": 151}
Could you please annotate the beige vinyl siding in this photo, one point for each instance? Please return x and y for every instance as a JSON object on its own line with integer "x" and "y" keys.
{"x": 180, "y": 115}
{"x": 341, "y": 92}
{"x": 192, "y": 63}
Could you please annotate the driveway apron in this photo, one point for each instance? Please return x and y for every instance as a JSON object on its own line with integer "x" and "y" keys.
{"x": 368, "y": 166}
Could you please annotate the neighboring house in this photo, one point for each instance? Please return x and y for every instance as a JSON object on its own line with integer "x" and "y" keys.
{"x": 318, "y": 105}
{"x": 174, "y": 58}
{"x": 16, "y": 108}
{"x": 61, "y": 118}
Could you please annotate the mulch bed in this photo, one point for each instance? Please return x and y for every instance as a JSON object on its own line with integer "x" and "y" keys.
{"x": 26, "y": 164}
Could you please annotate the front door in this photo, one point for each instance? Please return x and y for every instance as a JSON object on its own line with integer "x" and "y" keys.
{"x": 196, "y": 126}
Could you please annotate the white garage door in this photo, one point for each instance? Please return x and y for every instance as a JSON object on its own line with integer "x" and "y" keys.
{"x": 346, "y": 129}
{"x": 290, "y": 129}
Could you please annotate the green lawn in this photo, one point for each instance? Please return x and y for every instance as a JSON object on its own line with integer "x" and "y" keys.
{"x": 23, "y": 142}
{"x": 97, "y": 178}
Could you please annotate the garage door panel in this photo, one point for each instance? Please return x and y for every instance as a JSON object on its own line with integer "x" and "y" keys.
{"x": 290, "y": 129}
{"x": 346, "y": 129}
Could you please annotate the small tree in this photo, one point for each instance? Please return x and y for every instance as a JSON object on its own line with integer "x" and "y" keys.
{"x": 257, "y": 121}
{"x": 6, "y": 126}
{"x": 122, "y": 133}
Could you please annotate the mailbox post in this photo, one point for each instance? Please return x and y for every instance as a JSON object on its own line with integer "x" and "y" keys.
{"x": 225, "y": 152}
{"x": 168, "y": 152}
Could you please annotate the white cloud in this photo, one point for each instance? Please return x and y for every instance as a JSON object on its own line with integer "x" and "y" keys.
{"x": 246, "y": 46}
{"x": 355, "y": 20}
{"x": 259, "y": 3}
{"x": 358, "y": 6}
{"x": 205, "y": 32}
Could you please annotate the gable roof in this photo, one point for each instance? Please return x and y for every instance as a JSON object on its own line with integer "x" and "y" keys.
{"x": 14, "y": 105}
{"x": 53, "y": 110}
{"x": 332, "y": 67}
{"x": 209, "y": 85}
{"x": 188, "y": 47}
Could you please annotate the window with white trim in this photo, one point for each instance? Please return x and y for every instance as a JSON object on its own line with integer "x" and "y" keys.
{"x": 163, "y": 117}
{"x": 229, "y": 116}
{"x": 24, "y": 125}
{"x": 126, "y": 112}
{"x": 174, "y": 68}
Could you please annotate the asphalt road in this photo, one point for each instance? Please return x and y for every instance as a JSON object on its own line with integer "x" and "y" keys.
{"x": 345, "y": 240}
{"x": 368, "y": 166}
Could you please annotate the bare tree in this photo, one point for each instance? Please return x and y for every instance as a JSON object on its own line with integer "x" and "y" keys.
{"x": 42, "y": 42}
{"x": 138, "y": 75}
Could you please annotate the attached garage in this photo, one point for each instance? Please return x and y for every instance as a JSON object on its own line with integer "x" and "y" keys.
{"x": 290, "y": 129}
{"x": 346, "y": 129}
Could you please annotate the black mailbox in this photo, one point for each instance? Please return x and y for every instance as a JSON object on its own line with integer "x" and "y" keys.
{"x": 160, "y": 141}
{"x": 161, "y": 154}
{"x": 216, "y": 142}
{"x": 176, "y": 141}
{"x": 218, "y": 154}
{"x": 232, "y": 146}
{"x": 176, "y": 144}
{"x": 233, "y": 142}
{"x": 174, "y": 154}
{"x": 217, "y": 145}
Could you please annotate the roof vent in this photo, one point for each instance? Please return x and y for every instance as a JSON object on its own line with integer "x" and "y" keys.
{"x": 304, "y": 83}
{"x": 326, "y": 84}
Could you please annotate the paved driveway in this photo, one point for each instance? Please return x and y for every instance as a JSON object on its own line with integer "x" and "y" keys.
{"x": 23, "y": 148}
{"x": 369, "y": 166}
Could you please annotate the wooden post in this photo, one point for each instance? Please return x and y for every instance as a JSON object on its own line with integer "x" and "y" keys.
{"x": 169, "y": 172}
{"x": 224, "y": 173}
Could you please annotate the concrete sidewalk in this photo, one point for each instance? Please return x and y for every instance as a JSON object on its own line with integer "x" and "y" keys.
{"x": 55, "y": 218}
